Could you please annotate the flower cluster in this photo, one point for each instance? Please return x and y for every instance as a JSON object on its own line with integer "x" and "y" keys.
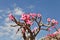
{"x": 27, "y": 17}
{"x": 57, "y": 32}
{"x": 49, "y": 29}
{"x": 11, "y": 17}
{"x": 53, "y": 22}
{"x": 48, "y": 19}
{"x": 51, "y": 35}
{"x": 54, "y": 34}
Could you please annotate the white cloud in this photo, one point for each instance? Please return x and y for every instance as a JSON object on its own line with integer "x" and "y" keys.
{"x": 11, "y": 31}
{"x": 18, "y": 11}
{"x": 4, "y": 33}
{"x": 14, "y": 36}
{"x": 8, "y": 10}
{"x": 7, "y": 19}
{"x": 7, "y": 29}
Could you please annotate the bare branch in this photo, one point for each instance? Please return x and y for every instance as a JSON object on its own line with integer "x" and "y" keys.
{"x": 36, "y": 32}
{"x": 13, "y": 25}
{"x": 40, "y": 19}
{"x": 17, "y": 22}
{"x": 18, "y": 30}
{"x": 38, "y": 29}
{"x": 46, "y": 25}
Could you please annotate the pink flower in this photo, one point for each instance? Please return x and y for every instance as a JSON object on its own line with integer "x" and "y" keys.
{"x": 48, "y": 19}
{"x": 53, "y": 26}
{"x": 30, "y": 14}
{"x": 33, "y": 15}
{"x": 38, "y": 15}
{"x": 53, "y": 21}
{"x": 25, "y": 17}
{"x": 57, "y": 32}
{"x": 28, "y": 17}
{"x": 28, "y": 22}
{"x": 56, "y": 22}
{"x": 49, "y": 29}
{"x": 11, "y": 17}
{"x": 51, "y": 35}
{"x": 59, "y": 29}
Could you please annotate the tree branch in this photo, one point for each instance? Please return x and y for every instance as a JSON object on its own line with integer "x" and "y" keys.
{"x": 36, "y": 32}
{"x": 18, "y": 30}
{"x": 17, "y": 22}
{"x": 40, "y": 19}
{"x": 13, "y": 25}
{"x": 38, "y": 29}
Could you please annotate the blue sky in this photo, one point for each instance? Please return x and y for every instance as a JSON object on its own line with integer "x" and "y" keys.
{"x": 48, "y": 8}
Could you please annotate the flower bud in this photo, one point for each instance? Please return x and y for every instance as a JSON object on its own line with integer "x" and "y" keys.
{"x": 48, "y": 19}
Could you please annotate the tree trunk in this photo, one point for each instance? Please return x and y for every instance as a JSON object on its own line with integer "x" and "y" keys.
{"x": 30, "y": 38}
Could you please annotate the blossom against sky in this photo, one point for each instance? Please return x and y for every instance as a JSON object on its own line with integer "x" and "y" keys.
{"x": 48, "y": 9}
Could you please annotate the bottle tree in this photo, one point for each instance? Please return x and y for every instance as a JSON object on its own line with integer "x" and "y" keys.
{"x": 28, "y": 19}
